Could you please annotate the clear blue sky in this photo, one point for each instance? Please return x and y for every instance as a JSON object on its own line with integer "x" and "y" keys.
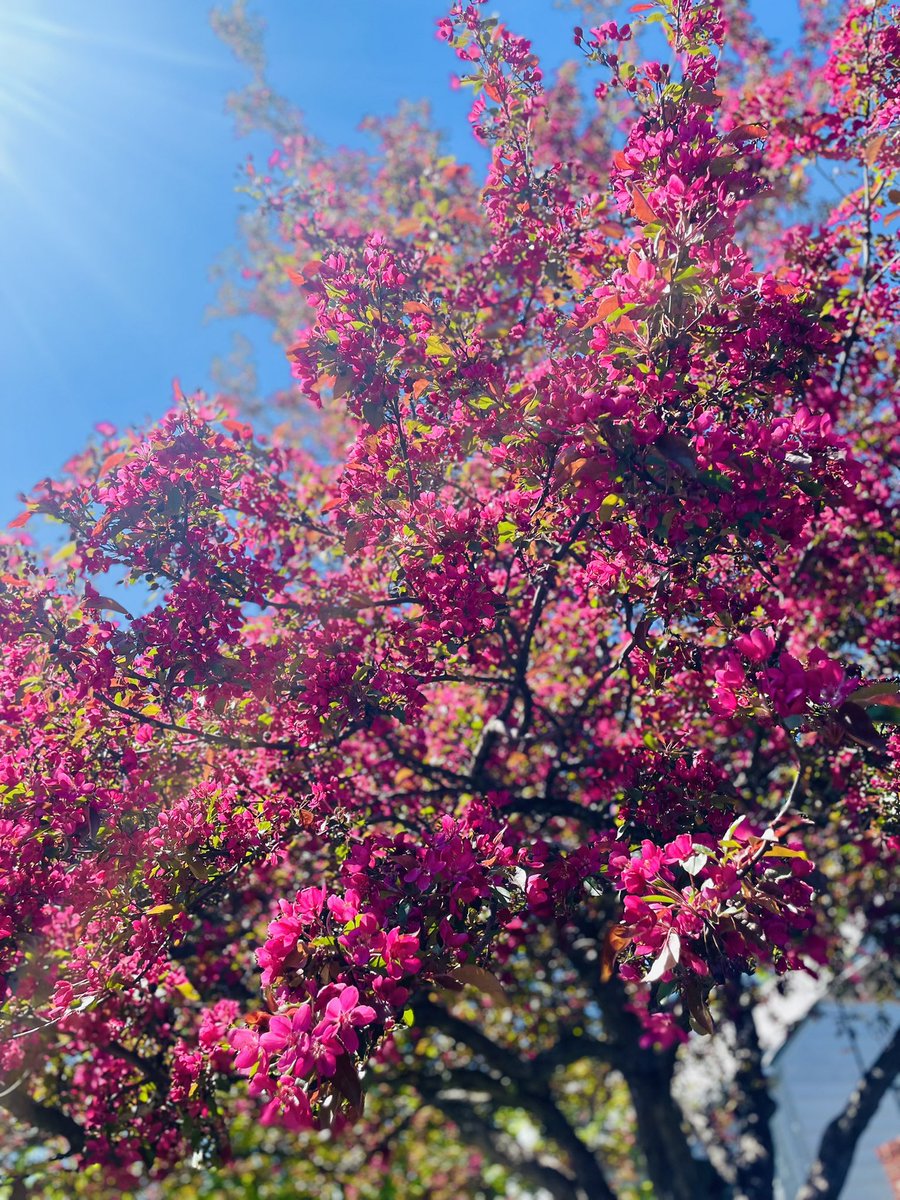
{"x": 118, "y": 167}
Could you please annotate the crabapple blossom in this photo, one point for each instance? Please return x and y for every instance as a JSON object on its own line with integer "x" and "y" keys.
{"x": 524, "y": 694}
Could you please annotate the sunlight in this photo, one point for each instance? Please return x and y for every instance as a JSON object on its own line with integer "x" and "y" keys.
{"x": 87, "y": 109}
{"x": 24, "y": 58}
{"x": 41, "y": 60}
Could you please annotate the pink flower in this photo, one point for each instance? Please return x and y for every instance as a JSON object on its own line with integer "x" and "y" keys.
{"x": 680, "y": 849}
{"x": 343, "y": 1016}
{"x": 249, "y": 1052}
{"x": 289, "y": 1107}
{"x": 787, "y": 685}
{"x": 755, "y": 646}
{"x": 344, "y": 908}
{"x": 400, "y": 953}
{"x": 288, "y": 1040}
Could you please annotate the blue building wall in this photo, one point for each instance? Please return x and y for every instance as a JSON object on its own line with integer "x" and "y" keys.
{"x": 814, "y": 1074}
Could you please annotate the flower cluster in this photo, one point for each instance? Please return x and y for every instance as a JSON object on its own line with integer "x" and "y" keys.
{"x": 544, "y": 654}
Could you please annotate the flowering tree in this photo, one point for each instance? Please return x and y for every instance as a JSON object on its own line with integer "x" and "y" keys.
{"x": 528, "y": 719}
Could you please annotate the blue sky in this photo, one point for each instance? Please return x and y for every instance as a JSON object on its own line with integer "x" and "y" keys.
{"x": 118, "y": 167}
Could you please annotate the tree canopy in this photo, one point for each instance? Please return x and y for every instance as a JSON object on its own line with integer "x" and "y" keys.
{"x": 449, "y": 764}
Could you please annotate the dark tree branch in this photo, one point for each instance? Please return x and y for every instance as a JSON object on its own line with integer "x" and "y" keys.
{"x": 553, "y": 806}
{"x": 590, "y": 1182}
{"x": 478, "y": 1130}
{"x": 433, "y": 1016}
{"x": 567, "y": 1050}
{"x": 829, "y": 1172}
{"x": 588, "y": 1175}
{"x": 520, "y": 686}
{"x": 571, "y": 1048}
{"x": 512, "y": 1082}
{"x": 51, "y": 1122}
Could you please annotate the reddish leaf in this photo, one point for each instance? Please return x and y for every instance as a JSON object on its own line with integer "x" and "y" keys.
{"x": 642, "y": 209}
{"x": 698, "y": 1009}
{"x": 615, "y": 940}
{"x": 873, "y": 149}
{"x": 702, "y": 98}
{"x": 255, "y": 1019}
{"x": 104, "y": 604}
{"x": 353, "y": 539}
{"x": 239, "y": 429}
{"x": 571, "y": 470}
{"x": 746, "y": 133}
{"x": 22, "y": 519}
{"x": 347, "y": 1082}
{"x": 102, "y": 523}
{"x": 373, "y": 412}
{"x": 484, "y": 981}
{"x": 678, "y": 450}
{"x": 877, "y": 694}
{"x": 110, "y": 463}
{"x": 624, "y": 325}
{"x": 607, "y": 305}
{"x": 857, "y": 723}
{"x": 342, "y": 385}
{"x": 448, "y": 982}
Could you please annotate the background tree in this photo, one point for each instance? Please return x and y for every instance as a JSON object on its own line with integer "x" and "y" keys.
{"x": 528, "y": 716}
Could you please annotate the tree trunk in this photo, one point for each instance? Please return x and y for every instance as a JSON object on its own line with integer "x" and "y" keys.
{"x": 675, "y": 1172}
{"x": 754, "y": 1162}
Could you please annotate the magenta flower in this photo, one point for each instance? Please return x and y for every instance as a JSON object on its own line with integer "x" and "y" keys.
{"x": 342, "y": 1017}
{"x": 287, "y": 1040}
{"x": 399, "y": 951}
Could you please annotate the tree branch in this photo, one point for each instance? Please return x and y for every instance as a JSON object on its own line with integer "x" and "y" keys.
{"x": 49, "y": 1121}
{"x": 524, "y": 1089}
{"x": 434, "y": 1016}
{"x": 568, "y": 1048}
{"x": 478, "y": 1130}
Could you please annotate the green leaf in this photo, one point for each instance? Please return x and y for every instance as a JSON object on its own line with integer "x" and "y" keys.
{"x": 695, "y": 864}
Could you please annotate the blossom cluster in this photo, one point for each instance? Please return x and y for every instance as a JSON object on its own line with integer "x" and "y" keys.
{"x": 542, "y": 656}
